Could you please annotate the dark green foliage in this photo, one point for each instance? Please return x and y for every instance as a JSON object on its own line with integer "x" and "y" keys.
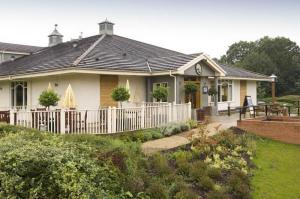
{"x": 190, "y": 88}
{"x": 186, "y": 193}
{"x": 239, "y": 185}
{"x": 160, "y": 93}
{"x": 42, "y": 165}
{"x": 217, "y": 195}
{"x": 48, "y": 98}
{"x": 120, "y": 94}
{"x": 159, "y": 164}
{"x": 279, "y": 55}
{"x": 214, "y": 173}
{"x": 157, "y": 190}
{"x": 212, "y": 91}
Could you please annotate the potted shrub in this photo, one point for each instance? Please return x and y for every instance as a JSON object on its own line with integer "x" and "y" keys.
{"x": 190, "y": 88}
{"x": 120, "y": 94}
{"x": 213, "y": 93}
{"x": 160, "y": 94}
{"x": 48, "y": 98}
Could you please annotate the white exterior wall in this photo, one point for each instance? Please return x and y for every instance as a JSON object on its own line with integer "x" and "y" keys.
{"x": 137, "y": 87}
{"x": 252, "y": 91}
{"x": 4, "y": 95}
{"x": 86, "y": 89}
{"x": 235, "y": 97}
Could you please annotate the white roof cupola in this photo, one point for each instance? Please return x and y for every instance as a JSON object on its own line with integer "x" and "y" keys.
{"x": 55, "y": 37}
{"x": 106, "y": 27}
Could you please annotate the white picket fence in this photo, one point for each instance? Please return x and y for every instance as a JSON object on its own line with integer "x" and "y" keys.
{"x": 102, "y": 121}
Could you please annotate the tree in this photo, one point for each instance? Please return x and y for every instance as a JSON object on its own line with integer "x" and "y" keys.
{"x": 48, "y": 98}
{"x": 160, "y": 93}
{"x": 120, "y": 94}
{"x": 190, "y": 88}
{"x": 279, "y": 55}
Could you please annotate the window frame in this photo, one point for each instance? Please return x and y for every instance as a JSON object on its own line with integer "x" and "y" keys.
{"x": 13, "y": 93}
{"x": 155, "y": 85}
{"x": 220, "y": 94}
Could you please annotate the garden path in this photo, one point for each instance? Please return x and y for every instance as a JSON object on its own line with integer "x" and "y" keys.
{"x": 216, "y": 124}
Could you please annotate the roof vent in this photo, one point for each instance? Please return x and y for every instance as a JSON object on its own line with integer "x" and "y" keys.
{"x": 106, "y": 27}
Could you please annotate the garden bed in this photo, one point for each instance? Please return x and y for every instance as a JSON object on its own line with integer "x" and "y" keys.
{"x": 37, "y": 164}
{"x": 285, "y": 129}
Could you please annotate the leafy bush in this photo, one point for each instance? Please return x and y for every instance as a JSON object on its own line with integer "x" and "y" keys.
{"x": 192, "y": 124}
{"x": 157, "y": 190}
{"x": 159, "y": 164}
{"x": 46, "y": 167}
{"x": 190, "y": 88}
{"x": 48, "y": 98}
{"x": 239, "y": 185}
{"x": 186, "y": 193}
{"x": 120, "y": 94}
{"x": 184, "y": 127}
{"x": 160, "y": 93}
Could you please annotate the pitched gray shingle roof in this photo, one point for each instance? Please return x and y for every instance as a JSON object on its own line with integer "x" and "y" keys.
{"x": 110, "y": 53}
{"x": 233, "y": 71}
{"x": 18, "y": 48}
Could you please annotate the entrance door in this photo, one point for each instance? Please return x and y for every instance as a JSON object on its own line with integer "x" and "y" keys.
{"x": 195, "y": 98}
{"x": 107, "y": 84}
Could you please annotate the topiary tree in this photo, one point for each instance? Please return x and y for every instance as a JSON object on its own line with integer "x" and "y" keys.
{"x": 48, "y": 98}
{"x": 120, "y": 94}
{"x": 212, "y": 92}
{"x": 190, "y": 88}
{"x": 160, "y": 93}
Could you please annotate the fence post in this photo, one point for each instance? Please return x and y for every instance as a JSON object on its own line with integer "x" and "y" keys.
{"x": 170, "y": 112}
{"x": 174, "y": 115}
{"x": 109, "y": 119}
{"x": 189, "y": 110}
{"x": 143, "y": 116}
{"x": 113, "y": 119}
{"x": 62, "y": 121}
{"x": 11, "y": 117}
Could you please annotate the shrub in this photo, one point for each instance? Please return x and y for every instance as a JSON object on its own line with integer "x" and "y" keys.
{"x": 157, "y": 190}
{"x": 186, "y": 193}
{"x": 184, "y": 127}
{"x": 205, "y": 183}
{"x": 48, "y": 98}
{"x": 214, "y": 194}
{"x": 120, "y": 94}
{"x": 192, "y": 124}
{"x": 239, "y": 185}
{"x": 214, "y": 173}
{"x": 158, "y": 163}
{"x": 160, "y": 93}
{"x": 43, "y": 166}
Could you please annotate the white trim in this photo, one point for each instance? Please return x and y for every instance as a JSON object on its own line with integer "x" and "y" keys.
{"x": 247, "y": 78}
{"x": 202, "y": 56}
{"x": 12, "y": 52}
{"x": 82, "y": 71}
{"x": 81, "y": 57}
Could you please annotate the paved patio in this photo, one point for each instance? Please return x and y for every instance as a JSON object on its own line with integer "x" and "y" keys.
{"x": 216, "y": 124}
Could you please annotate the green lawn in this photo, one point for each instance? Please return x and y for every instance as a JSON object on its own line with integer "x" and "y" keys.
{"x": 278, "y": 172}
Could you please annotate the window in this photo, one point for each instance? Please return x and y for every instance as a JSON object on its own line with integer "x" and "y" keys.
{"x": 162, "y": 84}
{"x": 18, "y": 94}
{"x": 224, "y": 90}
{"x": 102, "y": 26}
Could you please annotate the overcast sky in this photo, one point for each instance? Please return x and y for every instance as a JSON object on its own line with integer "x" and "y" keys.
{"x": 188, "y": 26}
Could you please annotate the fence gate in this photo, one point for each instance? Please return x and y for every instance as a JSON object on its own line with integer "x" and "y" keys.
{"x": 4, "y": 116}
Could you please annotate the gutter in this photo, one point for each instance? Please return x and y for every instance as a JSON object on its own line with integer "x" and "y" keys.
{"x": 175, "y": 86}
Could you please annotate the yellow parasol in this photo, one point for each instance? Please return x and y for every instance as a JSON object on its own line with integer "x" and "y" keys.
{"x": 69, "y": 99}
{"x": 49, "y": 87}
{"x": 128, "y": 88}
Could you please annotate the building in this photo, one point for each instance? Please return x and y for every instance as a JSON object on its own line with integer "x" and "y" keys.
{"x": 95, "y": 65}
{"x": 9, "y": 52}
